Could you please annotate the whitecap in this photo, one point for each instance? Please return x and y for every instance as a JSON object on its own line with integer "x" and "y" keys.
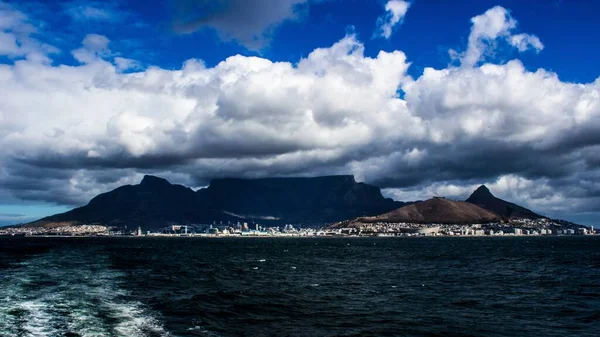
{"x": 73, "y": 302}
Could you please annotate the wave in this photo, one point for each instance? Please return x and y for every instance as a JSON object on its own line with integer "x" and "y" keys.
{"x": 72, "y": 294}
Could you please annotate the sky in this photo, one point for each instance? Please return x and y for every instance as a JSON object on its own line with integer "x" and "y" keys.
{"x": 421, "y": 98}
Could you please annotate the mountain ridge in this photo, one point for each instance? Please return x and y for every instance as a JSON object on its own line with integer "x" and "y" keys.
{"x": 483, "y": 197}
{"x": 436, "y": 210}
{"x": 155, "y": 202}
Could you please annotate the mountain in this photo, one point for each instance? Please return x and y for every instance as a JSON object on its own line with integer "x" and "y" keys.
{"x": 319, "y": 199}
{"x": 507, "y": 210}
{"x": 155, "y": 203}
{"x": 435, "y": 210}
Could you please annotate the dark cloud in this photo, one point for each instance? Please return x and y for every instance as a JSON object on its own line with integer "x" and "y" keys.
{"x": 251, "y": 23}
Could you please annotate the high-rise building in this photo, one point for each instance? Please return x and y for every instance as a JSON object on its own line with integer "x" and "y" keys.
{"x": 139, "y": 231}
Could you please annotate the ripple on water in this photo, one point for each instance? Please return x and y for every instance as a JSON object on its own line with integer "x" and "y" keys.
{"x": 83, "y": 298}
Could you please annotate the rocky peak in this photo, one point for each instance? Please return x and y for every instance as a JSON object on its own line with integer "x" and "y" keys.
{"x": 150, "y": 180}
{"x": 481, "y": 192}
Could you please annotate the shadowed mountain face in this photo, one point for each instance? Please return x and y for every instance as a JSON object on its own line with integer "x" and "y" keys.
{"x": 436, "y": 210}
{"x": 155, "y": 202}
{"x": 484, "y": 198}
{"x": 320, "y": 199}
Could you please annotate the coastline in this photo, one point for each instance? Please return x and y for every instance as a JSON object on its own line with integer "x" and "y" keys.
{"x": 290, "y": 236}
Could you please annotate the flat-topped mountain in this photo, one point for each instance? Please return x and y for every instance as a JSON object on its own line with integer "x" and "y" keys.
{"x": 507, "y": 210}
{"x": 155, "y": 203}
{"x": 435, "y": 210}
{"x": 320, "y": 199}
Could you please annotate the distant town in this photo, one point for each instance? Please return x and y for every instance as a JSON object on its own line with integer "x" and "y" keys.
{"x": 516, "y": 227}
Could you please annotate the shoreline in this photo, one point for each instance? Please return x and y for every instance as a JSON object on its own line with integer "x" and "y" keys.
{"x": 289, "y": 236}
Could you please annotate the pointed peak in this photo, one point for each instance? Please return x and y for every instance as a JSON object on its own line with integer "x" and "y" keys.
{"x": 153, "y": 180}
{"x": 481, "y": 192}
{"x": 483, "y": 189}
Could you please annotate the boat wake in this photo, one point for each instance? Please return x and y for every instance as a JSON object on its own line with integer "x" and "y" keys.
{"x": 68, "y": 293}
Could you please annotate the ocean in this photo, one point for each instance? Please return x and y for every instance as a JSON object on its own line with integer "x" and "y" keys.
{"x": 500, "y": 286}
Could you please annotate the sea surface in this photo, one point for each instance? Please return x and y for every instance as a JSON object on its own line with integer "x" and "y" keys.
{"x": 515, "y": 286}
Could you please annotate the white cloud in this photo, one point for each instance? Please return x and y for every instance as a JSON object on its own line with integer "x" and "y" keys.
{"x": 69, "y": 132}
{"x": 395, "y": 12}
{"x": 486, "y": 28}
{"x": 94, "y": 46}
{"x": 525, "y": 41}
{"x": 123, "y": 64}
{"x": 98, "y": 11}
{"x": 15, "y": 36}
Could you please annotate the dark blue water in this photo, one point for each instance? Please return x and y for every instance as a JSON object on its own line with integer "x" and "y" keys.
{"x": 541, "y": 286}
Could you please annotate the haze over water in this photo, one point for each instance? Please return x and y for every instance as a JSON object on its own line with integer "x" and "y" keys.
{"x": 534, "y": 286}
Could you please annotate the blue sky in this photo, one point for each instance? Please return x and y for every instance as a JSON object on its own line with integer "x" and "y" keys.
{"x": 568, "y": 29}
{"x": 102, "y": 92}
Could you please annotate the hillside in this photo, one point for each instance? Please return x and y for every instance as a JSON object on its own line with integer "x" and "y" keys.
{"x": 436, "y": 210}
{"x": 155, "y": 203}
{"x": 484, "y": 198}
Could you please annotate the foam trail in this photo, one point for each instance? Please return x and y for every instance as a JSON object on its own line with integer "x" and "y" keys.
{"x": 39, "y": 321}
{"x": 70, "y": 293}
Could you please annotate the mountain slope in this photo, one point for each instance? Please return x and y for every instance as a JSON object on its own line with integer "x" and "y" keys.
{"x": 155, "y": 202}
{"x": 484, "y": 198}
{"x": 436, "y": 210}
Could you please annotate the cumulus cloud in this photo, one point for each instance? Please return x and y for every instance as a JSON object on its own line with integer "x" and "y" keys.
{"x": 93, "y": 47}
{"x": 123, "y": 64}
{"x": 395, "y": 12}
{"x": 71, "y": 132}
{"x": 496, "y": 23}
{"x": 251, "y": 23}
{"x": 526, "y": 41}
